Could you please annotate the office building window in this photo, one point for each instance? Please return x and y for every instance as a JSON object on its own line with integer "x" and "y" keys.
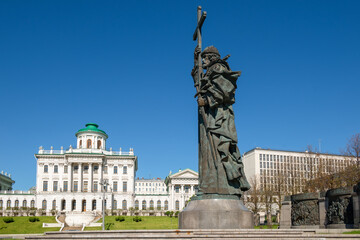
{"x": 85, "y": 186}
{"x": 65, "y": 186}
{"x": 55, "y": 186}
{"x": 45, "y": 186}
{"x": 95, "y": 186}
{"x": 124, "y": 186}
{"x": 115, "y": 186}
{"x": 75, "y": 186}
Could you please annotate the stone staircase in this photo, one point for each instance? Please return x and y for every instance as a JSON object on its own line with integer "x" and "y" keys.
{"x": 195, "y": 234}
{"x": 74, "y": 221}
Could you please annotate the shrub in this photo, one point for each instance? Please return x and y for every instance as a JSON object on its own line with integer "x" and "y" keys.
{"x": 120, "y": 218}
{"x": 137, "y": 219}
{"x": 108, "y": 225}
{"x": 8, "y": 219}
{"x": 34, "y": 219}
{"x": 176, "y": 213}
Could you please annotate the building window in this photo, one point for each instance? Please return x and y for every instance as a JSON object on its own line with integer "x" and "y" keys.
{"x": 45, "y": 186}
{"x": 187, "y": 189}
{"x": 93, "y": 205}
{"x": 114, "y": 204}
{"x": 76, "y": 168}
{"x": 125, "y": 170}
{"x": 8, "y": 204}
{"x": 158, "y": 205}
{"x": 16, "y": 203}
{"x": 105, "y": 169}
{"x": 80, "y": 144}
{"x": 98, "y": 144}
{"x": 85, "y": 186}
{"x": 166, "y": 205}
{"x": 46, "y": 168}
{"x": 124, "y": 186}
{"x": 55, "y": 186}
{"x": 65, "y": 186}
{"x": 95, "y": 186}
{"x": 86, "y": 168}
{"x": 115, "y": 186}
{"x": 56, "y": 169}
{"x": 115, "y": 169}
{"x": 75, "y": 186}
{"x": 143, "y": 207}
{"x": 88, "y": 143}
{"x": 151, "y": 205}
{"x": 124, "y": 205}
{"x": 32, "y": 203}
{"x": 136, "y": 205}
{"x": 73, "y": 205}
{"x": 53, "y": 204}
{"x": 1, "y": 203}
{"x": 43, "y": 206}
{"x": 24, "y": 204}
{"x": 96, "y": 169}
{"x": 65, "y": 169}
{"x": 177, "y": 188}
{"x": 177, "y": 205}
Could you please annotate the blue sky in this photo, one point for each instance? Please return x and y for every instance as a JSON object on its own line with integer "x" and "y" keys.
{"x": 126, "y": 66}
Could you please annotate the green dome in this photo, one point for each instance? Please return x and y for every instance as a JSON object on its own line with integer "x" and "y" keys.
{"x": 91, "y": 127}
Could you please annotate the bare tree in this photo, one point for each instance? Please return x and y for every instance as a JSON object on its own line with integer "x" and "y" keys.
{"x": 253, "y": 199}
{"x": 353, "y": 148}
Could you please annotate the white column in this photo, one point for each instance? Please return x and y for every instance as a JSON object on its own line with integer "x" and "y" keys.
{"x": 70, "y": 180}
{"x": 80, "y": 177}
{"x": 90, "y": 178}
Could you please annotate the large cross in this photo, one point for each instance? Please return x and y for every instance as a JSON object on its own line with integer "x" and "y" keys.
{"x": 197, "y": 34}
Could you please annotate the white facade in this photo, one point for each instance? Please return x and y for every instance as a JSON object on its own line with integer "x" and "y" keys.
{"x": 294, "y": 167}
{"x": 69, "y": 180}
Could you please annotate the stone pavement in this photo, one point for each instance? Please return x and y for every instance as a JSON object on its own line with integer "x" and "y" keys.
{"x": 196, "y": 234}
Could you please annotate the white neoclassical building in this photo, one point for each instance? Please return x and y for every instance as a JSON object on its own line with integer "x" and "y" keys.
{"x": 71, "y": 181}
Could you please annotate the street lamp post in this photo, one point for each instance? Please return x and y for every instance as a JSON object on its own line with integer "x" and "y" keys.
{"x": 104, "y": 184}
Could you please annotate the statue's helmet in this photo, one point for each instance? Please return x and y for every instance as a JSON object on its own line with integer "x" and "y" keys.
{"x": 210, "y": 50}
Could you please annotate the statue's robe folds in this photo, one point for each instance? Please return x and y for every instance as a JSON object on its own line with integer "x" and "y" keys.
{"x": 223, "y": 174}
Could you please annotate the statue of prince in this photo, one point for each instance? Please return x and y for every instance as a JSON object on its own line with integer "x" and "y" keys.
{"x": 221, "y": 171}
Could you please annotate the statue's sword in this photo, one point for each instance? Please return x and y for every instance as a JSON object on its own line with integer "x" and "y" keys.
{"x": 197, "y": 35}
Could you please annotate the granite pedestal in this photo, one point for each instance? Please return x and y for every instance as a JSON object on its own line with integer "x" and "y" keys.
{"x": 216, "y": 214}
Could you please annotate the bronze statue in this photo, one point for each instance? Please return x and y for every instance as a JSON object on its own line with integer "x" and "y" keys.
{"x": 221, "y": 171}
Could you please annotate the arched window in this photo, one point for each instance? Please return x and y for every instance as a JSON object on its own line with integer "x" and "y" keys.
{"x": 1, "y": 203}
{"x": 143, "y": 207}
{"x": 177, "y": 205}
{"x": 114, "y": 204}
{"x": 99, "y": 144}
{"x": 151, "y": 204}
{"x": 93, "y": 204}
{"x": 80, "y": 144}
{"x": 125, "y": 170}
{"x": 73, "y": 205}
{"x": 43, "y": 206}
{"x": 137, "y": 205}
{"x": 124, "y": 205}
{"x": 8, "y": 204}
{"x": 16, "y": 203}
{"x": 63, "y": 204}
{"x": 53, "y": 204}
{"x": 32, "y": 203}
{"x": 158, "y": 205}
{"x": 166, "y": 205}
{"x": 88, "y": 145}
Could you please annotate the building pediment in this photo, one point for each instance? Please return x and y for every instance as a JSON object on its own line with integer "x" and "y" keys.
{"x": 187, "y": 173}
